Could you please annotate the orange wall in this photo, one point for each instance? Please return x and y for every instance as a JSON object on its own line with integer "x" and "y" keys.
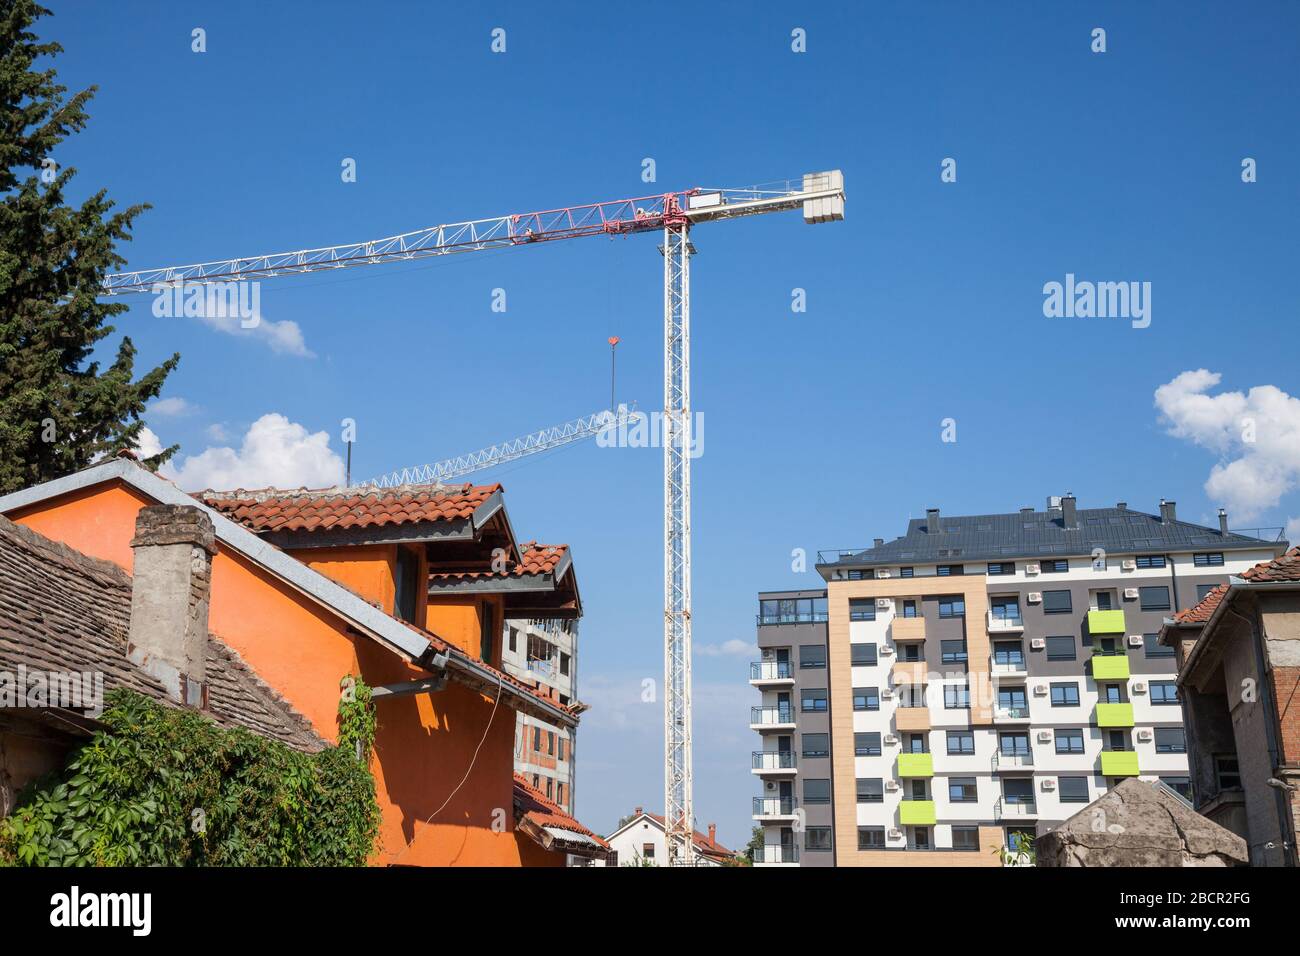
{"x": 424, "y": 744}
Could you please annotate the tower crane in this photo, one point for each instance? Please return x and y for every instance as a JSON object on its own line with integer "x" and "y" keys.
{"x": 672, "y": 214}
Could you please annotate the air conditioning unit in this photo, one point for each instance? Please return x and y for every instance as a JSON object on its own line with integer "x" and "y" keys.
{"x": 1135, "y": 640}
{"x": 1129, "y": 564}
{"x": 1037, "y": 643}
{"x": 768, "y": 654}
{"x": 1044, "y": 736}
{"x": 890, "y": 740}
{"x": 895, "y": 833}
{"x": 1130, "y": 594}
{"x": 1049, "y": 783}
{"x": 887, "y": 693}
{"x": 1139, "y": 687}
{"x": 883, "y": 573}
{"x": 769, "y": 785}
{"x": 886, "y": 650}
{"x": 1032, "y": 567}
{"x": 1040, "y": 690}
{"x": 1144, "y": 734}
{"x": 884, "y": 602}
{"x": 1035, "y": 597}
{"x": 891, "y": 785}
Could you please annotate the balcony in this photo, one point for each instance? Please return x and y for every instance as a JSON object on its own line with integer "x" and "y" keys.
{"x": 912, "y": 718}
{"x": 916, "y": 813}
{"x": 771, "y": 718}
{"x": 771, "y": 674}
{"x": 915, "y": 765}
{"x": 907, "y": 629}
{"x": 774, "y": 855}
{"x": 1105, "y": 622}
{"x": 1114, "y": 715}
{"x": 774, "y": 763}
{"x": 774, "y": 808}
{"x": 1003, "y": 762}
{"x": 1006, "y": 809}
{"x": 909, "y": 672}
{"x": 1119, "y": 763}
{"x": 1112, "y": 666}
{"x": 1010, "y": 669}
{"x": 1004, "y": 624}
{"x": 1011, "y": 715}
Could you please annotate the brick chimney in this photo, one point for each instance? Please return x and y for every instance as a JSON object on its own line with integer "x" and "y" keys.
{"x": 932, "y": 521}
{"x": 638, "y": 812}
{"x": 1223, "y": 521}
{"x": 713, "y": 833}
{"x": 1167, "y": 511}
{"x": 173, "y": 547}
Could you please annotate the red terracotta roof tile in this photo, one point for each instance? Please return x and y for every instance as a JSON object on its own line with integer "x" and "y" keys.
{"x": 702, "y": 841}
{"x": 533, "y": 804}
{"x": 1202, "y": 612}
{"x": 534, "y": 559}
{"x": 302, "y": 509}
{"x": 1285, "y": 568}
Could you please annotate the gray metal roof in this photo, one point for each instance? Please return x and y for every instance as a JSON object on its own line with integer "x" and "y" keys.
{"x": 1040, "y": 534}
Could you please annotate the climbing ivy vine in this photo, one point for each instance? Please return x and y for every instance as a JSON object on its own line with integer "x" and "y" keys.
{"x": 164, "y": 786}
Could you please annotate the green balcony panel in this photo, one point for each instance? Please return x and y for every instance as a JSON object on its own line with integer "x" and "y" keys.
{"x": 1114, "y": 715}
{"x": 916, "y": 813}
{"x": 1119, "y": 763}
{"x": 1105, "y": 622}
{"x": 915, "y": 765}
{"x": 1110, "y": 667}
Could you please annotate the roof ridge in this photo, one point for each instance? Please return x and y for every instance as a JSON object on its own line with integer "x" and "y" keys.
{"x": 344, "y": 491}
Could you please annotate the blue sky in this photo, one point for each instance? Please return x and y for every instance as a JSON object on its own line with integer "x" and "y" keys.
{"x": 822, "y": 428}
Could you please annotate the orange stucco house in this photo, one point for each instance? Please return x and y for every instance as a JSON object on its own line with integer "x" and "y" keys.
{"x": 309, "y": 587}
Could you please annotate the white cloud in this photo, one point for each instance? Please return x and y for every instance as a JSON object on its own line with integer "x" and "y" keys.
{"x": 283, "y": 337}
{"x": 147, "y": 443}
{"x": 732, "y": 648}
{"x": 1256, "y": 435}
{"x": 274, "y": 452}
{"x": 170, "y": 407}
{"x": 217, "y": 432}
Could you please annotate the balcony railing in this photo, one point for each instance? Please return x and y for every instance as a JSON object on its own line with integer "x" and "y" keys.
{"x": 774, "y": 760}
{"x": 774, "y": 806}
{"x": 1005, "y": 623}
{"x": 1012, "y": 761}
{"x": 770, "y": 670}
{"x": 778, "y": 853}
{"x": 1011, "y": 713}
{"x": 771, "y": 716}
{"x": 1009, "y": 667}
{"x": 1006, "y": 809}
{"x": 809, "y": 617}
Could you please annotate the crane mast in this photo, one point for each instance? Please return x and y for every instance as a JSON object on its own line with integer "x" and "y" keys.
{"x": 821, "y": 197}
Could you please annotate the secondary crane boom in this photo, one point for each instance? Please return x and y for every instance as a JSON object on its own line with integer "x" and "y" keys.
{"x": 820, "y": 196}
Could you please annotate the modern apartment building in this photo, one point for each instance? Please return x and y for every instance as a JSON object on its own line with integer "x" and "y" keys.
{"x": 983, "y": 677}
{"x": 544, "y": 653}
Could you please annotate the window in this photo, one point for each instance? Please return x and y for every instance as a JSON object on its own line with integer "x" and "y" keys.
{"x": 1072, "y": 789}
{"x": 861, "y": 575}
{"x": 1227, "y": 772}
{"x": 1109, "y": 694}
{"x": 1182, "y": 785}
{"x": 1008, "y": 654}
{"x": 550, "y": 789}
{"x": 817, "y": 791}
{"x": 950, "y": 570}
{"x": 906, "y": 572}
{"x": 909, "y": 609}
{"x": 1213, "y": 559}
{"x": 961, "y": 790}
{"x": 813, "y": 700}
{"x": 1018, "y": 790}
{"x": 559, "y": 794}
{"x": 817, "y": 839}
{"x": 648, "y": 851}
{"x": 1154, "y": 598}
{"x": 1152, "y": 647}
{"x": 487, "y": 632}
{"x": 866, "y": 745}
{"x": 1171, "y": 740}
{"x": 862, "y": 609}
{"x": 871, "y": 838}
{"x": 916, "y": 743}
{"x": 952, "y": 605}
{"x": 1069, "y": 740}
{"x": 911, "y": 695}
{"x": 1164, "y": 692}
{"x": 865, "y": 698}
{"x": 1054, "y": 566}
{"x": 816, "y": 745}
{"x": 1203, "y": 591}
{"x": 812, "y": 655}
{"x": 910, "y": 652}
{"x": 514, "y": 640}
{"x": 537, "y": 740}
{"x": 953, "y": 652}
{"x": 550, "y": 743}
{"x": 1150, "y": 560}
{"x": 1104, "y": 599}
{"x": 1065, "y": 695}
{"x": 920, "y": 838}
{"x": 1014, "y": 743}
{"x": 956, "y": 696}
{"x": 406, "y": 585}
{"x": 961, "y": 742}
{"x": 966, "y": 838}
{"x": 863, "y": 655}
{"x": 871, "y": 791}
{"x": 791, "y": 610}
{"x": 1004, "y": 567}
{"x": 1060, "y": 648}
{"x": 1006, "y": 609}
{"x": 560, "y": 748}
{"x": 1057, "y": 602}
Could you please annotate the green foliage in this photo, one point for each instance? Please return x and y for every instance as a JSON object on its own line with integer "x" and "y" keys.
{"x": 58, "y": 410}
{"x": 165, "y": 786}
